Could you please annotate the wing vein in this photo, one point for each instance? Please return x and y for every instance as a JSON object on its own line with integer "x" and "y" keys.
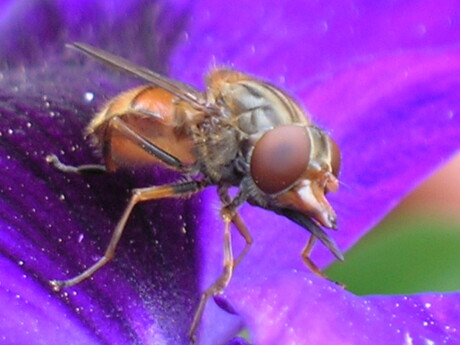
{"x": 182, "y": 91}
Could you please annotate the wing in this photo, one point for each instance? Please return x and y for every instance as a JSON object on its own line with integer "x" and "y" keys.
{"x": 182, "y": 91}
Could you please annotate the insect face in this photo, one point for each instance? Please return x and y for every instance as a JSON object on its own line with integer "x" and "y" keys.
{"x": 298, "y": 165}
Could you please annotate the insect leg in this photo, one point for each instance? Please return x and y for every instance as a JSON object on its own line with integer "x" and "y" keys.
{"x": 229, "y": 216}
{"x": 122, "y": 127}
{"x": 230, "y": 209}
{"x": 243, "y": 230}
{"x": 146, "y": 145}
{"x": 306, "y": 257}
{"x": 139, "y": 195}
{"x": 311, "y": 265}
{"x": 81, "y": 169}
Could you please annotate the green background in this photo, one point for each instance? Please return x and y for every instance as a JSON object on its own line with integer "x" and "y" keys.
{"x": 407, "y": 253}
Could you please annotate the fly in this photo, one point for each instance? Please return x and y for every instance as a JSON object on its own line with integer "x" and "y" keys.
{"x": 241, "y": 132}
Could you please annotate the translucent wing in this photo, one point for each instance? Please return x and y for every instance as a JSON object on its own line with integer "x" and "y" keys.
{"x": 182, "y": 91}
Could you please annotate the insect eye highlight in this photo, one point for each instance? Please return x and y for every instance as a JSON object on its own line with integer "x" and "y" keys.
{"x": 279, "y": 158}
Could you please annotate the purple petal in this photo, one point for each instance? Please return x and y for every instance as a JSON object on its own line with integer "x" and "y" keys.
{"x": 31, "y": 31}
{"x": 54, "y": 225}
{"x": 383, "y": 80}
{"x": 300, "y": 42}
{"x": 293, "y": 307}
{"x": 398, "y": 120}
{"x": 151, "y": 296}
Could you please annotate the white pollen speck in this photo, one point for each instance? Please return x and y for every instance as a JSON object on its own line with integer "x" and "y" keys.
{"x": 408, "y": 339}
{"x": 88, "y": 96}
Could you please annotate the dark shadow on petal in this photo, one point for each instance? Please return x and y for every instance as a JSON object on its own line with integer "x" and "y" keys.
{"x": 55, "y": 224}
{"x": 146, "y": 31}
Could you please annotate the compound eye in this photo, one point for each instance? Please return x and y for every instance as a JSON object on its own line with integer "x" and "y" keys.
{"x": 280, "y": 157}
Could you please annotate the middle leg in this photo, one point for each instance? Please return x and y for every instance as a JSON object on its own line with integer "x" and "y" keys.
{"x": 229, "y": 216}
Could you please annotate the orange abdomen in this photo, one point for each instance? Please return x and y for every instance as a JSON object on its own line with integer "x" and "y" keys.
{"x": 150, "y": 112}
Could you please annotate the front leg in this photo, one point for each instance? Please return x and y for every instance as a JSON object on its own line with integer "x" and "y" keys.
{"x": 306, "y": 252}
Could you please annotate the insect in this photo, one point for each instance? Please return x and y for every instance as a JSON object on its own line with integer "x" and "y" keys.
{"x": 241, "y": 132}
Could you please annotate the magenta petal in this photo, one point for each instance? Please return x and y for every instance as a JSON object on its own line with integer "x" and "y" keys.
{"x": 396, "y": 120}
{"x": 293, "y": 307}
{"x": 298, "y": 42}
{"x": 383, "y": 80}
{"x": 384, "y": 83}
